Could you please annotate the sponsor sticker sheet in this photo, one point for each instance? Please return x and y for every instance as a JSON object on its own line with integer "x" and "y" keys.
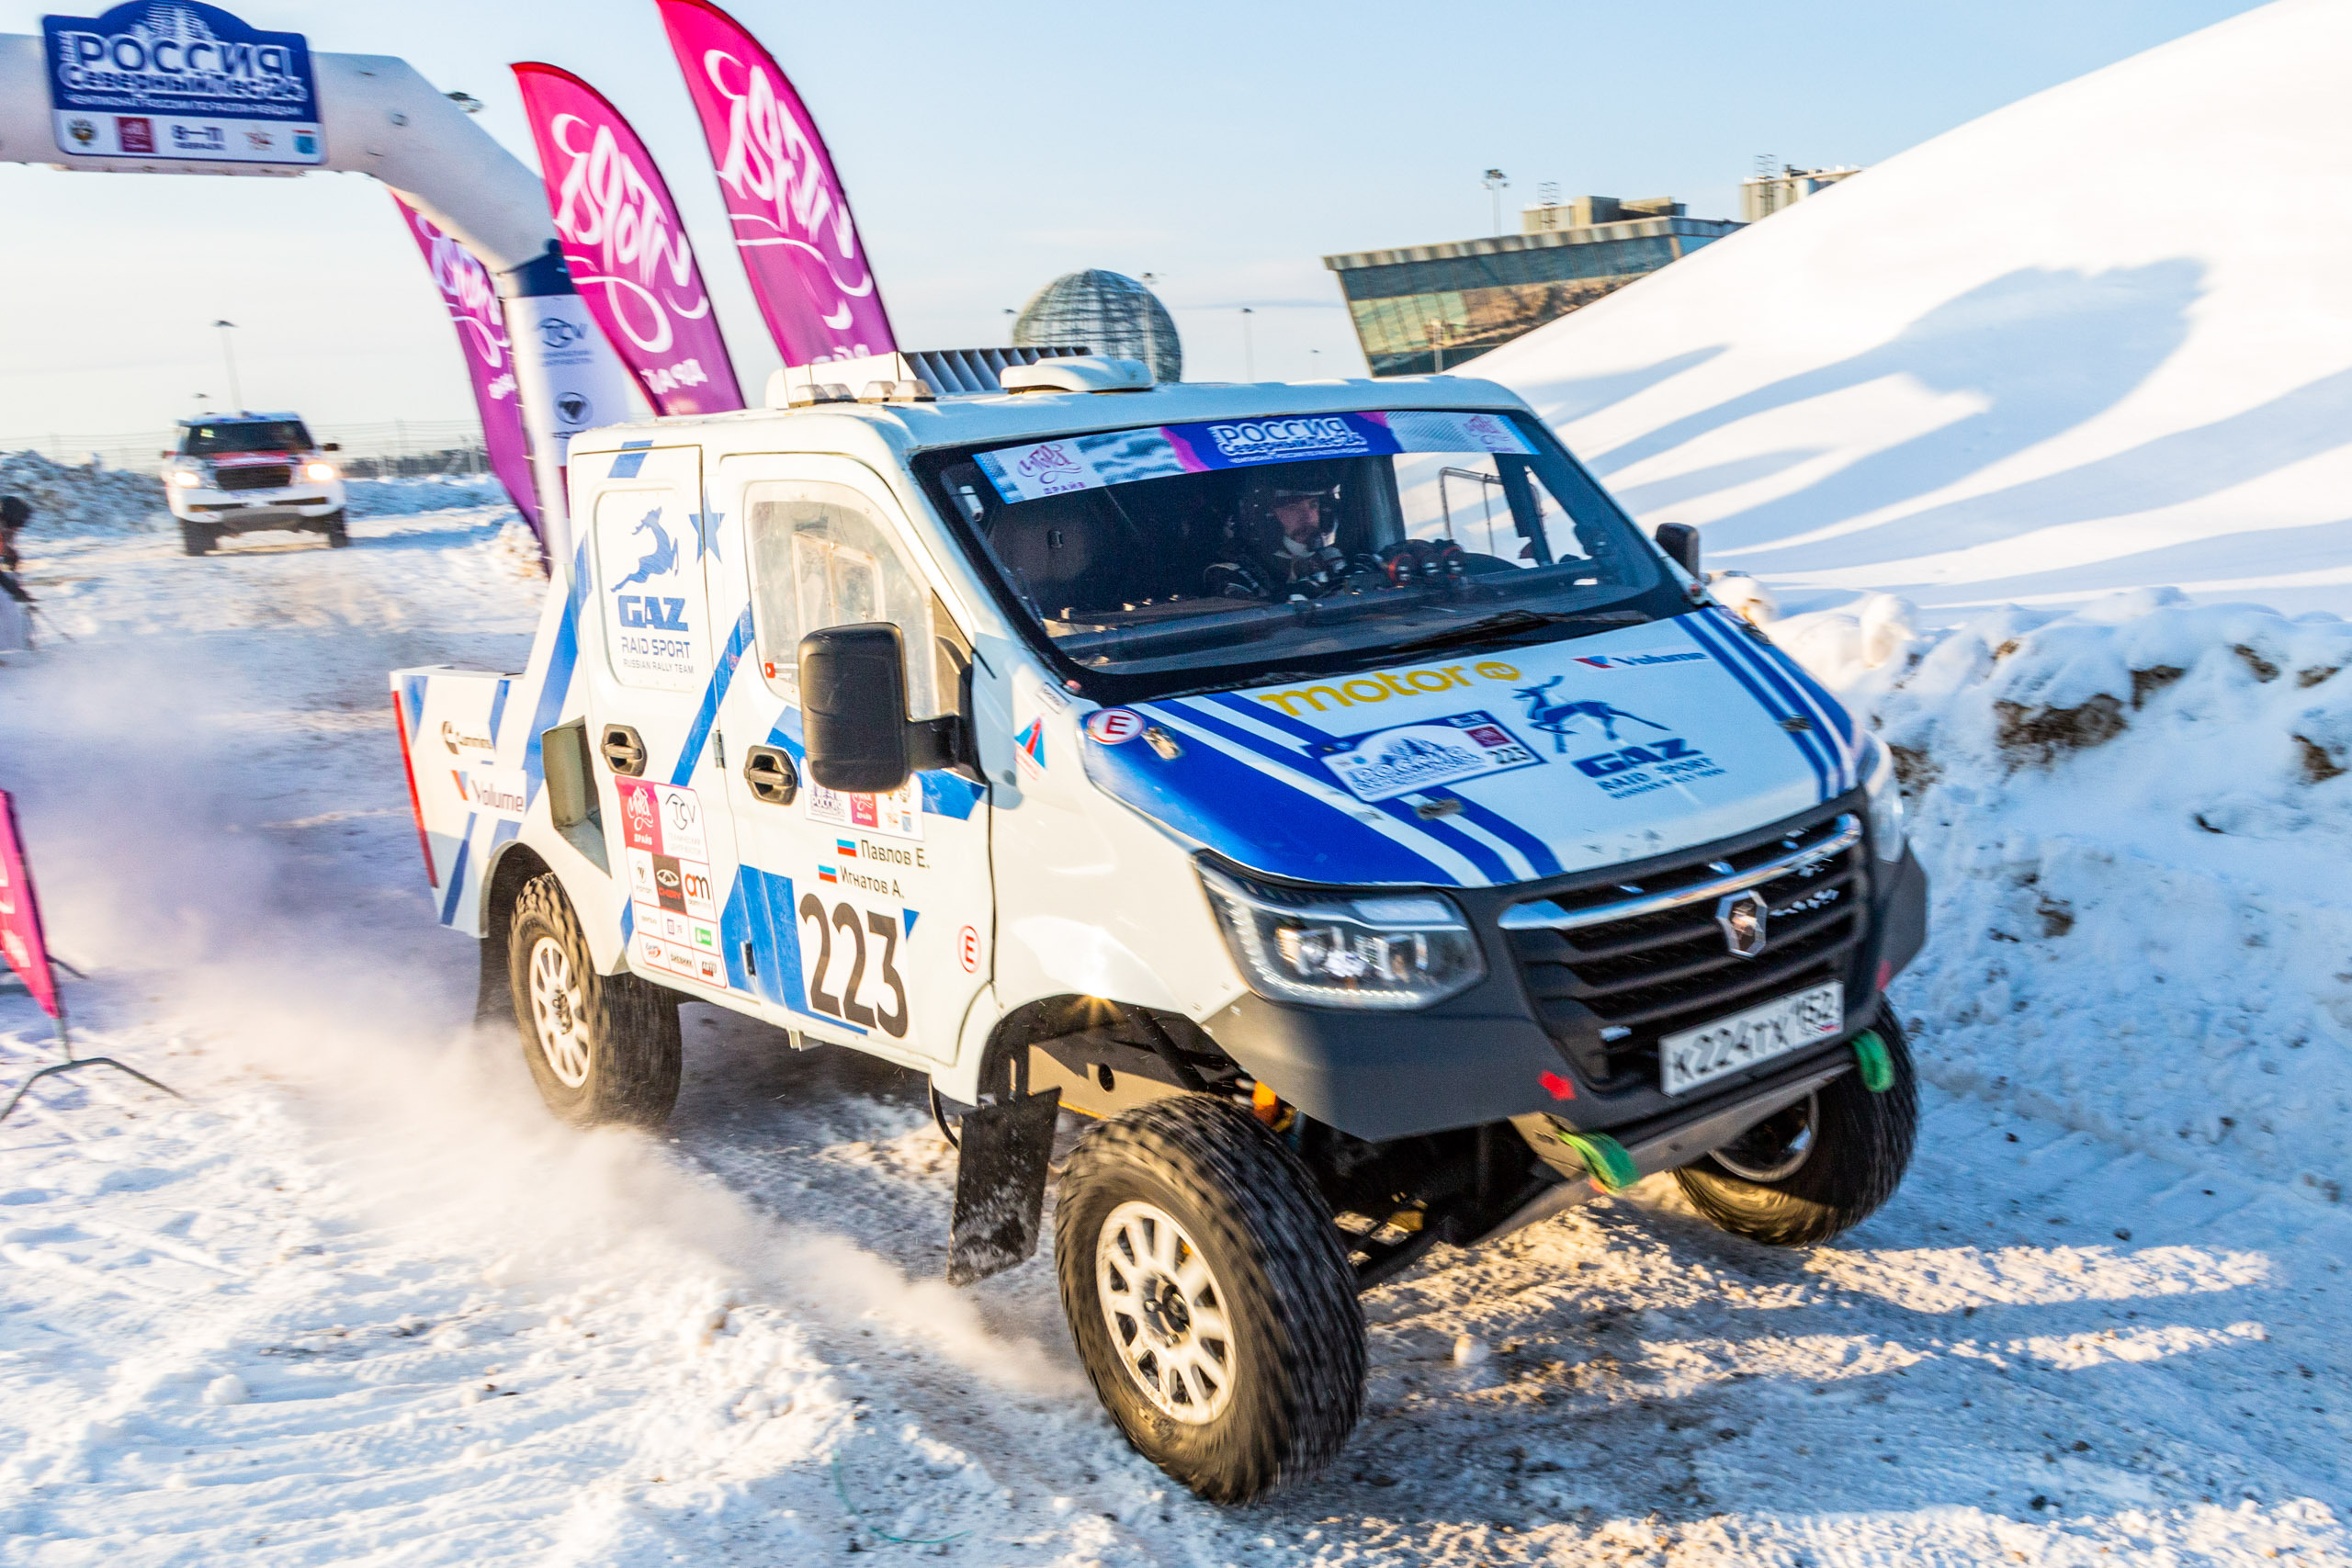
{"x": 669, "y": 886}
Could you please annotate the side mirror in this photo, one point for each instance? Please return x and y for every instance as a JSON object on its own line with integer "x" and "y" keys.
{"x": 167, "y": 454}
{"x": 331, "y": 446}
{"x": 853, "y": 712}
{"x": 1680, "y": 541}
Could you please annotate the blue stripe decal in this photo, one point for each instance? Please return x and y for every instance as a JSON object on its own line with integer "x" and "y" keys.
{"x": 786, "y": 732}
{"x": 413, "y": 691}
{"x": 457, "y": 872}
{"x": 705, "y": 715}
{"x": 1539, "y": 853}
{"x": 1837, "y": 722}
{"x": 632, "y": 459}
{"x": 1212, "y": 797}
{"x": 1772, "y": 667}
{"x": 628, "y": 923}
{"x": 1488, "y": 861}
{"x": 562, "y": 659}
{"x": 498, "y": 707}
{"x": 1481, "y": 855}
{"x": 949, "y": 795}
{"x": 1706, "y": 639}
{"x": 760, "y": 911}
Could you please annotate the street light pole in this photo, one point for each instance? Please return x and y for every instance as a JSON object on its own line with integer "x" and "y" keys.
{"x": 1249, "y": 351}
{"x": 1496, "y": 182}
{"x": 228, "y": 355}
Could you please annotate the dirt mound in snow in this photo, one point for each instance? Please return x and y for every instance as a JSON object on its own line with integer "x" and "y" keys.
{"x": 82, "y": 498}
{"x": 2013, "y": 362}
{"x": 2135, "y": 818}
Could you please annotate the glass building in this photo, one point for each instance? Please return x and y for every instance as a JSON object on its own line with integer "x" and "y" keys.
{"x": 1428, "y": 307}
{"x": 1102, "y": 312}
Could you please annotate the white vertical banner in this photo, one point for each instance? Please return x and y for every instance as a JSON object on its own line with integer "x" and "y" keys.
{"x": 571, "y": 381}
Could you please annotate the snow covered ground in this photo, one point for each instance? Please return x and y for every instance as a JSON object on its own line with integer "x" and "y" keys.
{"x": 358, "y": 1300}
{"x": 2001, "y": 426}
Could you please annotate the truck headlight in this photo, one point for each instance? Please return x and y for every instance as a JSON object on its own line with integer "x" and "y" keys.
{"x": 1887, "y": 800}
{"x": 1346, "y": 949}
{"x": 318, "y": 472}
{"x": 186, "y": 478}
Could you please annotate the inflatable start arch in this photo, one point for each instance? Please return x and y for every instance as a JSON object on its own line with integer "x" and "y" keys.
{"x": 179, "y": 87}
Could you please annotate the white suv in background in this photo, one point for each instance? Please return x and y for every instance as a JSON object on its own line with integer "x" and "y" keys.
{"x": 241, "y": 473}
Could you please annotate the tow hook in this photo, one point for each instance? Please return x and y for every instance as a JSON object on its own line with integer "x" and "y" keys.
{"x": 1877, "y": 1067}
{"x": 1611, "y": 1168}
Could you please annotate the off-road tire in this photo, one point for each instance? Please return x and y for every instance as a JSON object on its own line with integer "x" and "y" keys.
{"x": 332, "y": 526}
{"x": 1861, "y": 1146}
{"x": 198, "y": 539}
{"x": 627, "y": 1027}
{"x": 1298, "y": 1346}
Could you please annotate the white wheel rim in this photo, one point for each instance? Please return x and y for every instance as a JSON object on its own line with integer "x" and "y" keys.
{"x": 1167, "y": 1314}
{"x": 555, "y": 1013}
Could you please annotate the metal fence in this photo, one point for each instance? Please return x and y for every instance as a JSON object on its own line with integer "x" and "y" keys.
{"x": 397, "y": 448}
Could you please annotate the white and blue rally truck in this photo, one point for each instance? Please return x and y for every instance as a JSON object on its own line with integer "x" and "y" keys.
{"x": 1324, "y": 788}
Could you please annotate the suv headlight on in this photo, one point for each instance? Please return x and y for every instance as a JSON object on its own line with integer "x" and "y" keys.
{"x": 186, "y": 478}
{"x": 318, "y": 473}
{"x": 1343, "y": 949}
{"x": 1887, "y": 800}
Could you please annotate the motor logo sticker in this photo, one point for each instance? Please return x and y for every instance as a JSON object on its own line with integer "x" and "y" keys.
{"x": 1434, "y": 753}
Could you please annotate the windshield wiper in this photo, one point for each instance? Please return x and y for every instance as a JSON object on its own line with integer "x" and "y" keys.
{"x": 1508, "y": 623}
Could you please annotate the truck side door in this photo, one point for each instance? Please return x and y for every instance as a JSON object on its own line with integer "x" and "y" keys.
{"x": 865, "y": 918}
{"x": 652, "y": 703}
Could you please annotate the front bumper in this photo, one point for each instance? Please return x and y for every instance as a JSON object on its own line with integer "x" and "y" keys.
{"x": 257, "y": 509}
{"x": 1516, "y": 1043}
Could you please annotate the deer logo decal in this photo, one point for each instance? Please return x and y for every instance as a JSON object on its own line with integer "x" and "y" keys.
{"x": 1558, "y": 719}
{"x": 660, "y": 561}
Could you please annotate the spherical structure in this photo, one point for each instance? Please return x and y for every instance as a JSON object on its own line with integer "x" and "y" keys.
{"x": 1107, "y": 315}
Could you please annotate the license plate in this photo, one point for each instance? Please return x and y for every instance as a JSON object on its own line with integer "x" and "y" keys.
{"x": 1712, "y": 1049}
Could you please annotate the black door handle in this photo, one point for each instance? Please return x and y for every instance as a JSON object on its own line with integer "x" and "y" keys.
{"x": 769, "y": 771}
{"x": 624, "y": 751}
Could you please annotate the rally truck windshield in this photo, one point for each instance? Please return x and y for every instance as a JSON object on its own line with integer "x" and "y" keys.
{"x": 1232, "y": 549}
{"x": 243, "y": 435}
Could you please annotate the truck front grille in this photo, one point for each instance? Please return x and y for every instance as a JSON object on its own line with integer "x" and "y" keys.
{"x": 1646, "y": 971}
{"x": 259, "y": 476}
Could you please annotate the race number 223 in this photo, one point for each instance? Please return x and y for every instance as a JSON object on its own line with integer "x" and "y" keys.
{"x": 855, "y": 924}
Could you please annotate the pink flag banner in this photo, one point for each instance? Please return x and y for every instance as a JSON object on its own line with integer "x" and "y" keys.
{"x": 791, "y": 217}
{"x": 20, "y": 933}
{"x": 626, "y": 249}
{"x": 474, "y": 308}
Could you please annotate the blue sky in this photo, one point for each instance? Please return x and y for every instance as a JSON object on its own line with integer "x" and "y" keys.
{"x": 1224, "y": 147}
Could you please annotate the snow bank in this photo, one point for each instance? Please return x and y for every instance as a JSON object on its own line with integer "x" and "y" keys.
{"x": 77, "y": 498}
{"x": 406, "y": 498}
{"x": 2096, "y": 340}
{"x": 2135, "y": 817}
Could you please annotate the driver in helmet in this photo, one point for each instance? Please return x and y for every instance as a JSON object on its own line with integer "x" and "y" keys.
{"x": 1282, "y": 542}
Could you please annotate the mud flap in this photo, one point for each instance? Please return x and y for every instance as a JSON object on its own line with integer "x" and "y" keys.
{"x": 1000, "y": 1185}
